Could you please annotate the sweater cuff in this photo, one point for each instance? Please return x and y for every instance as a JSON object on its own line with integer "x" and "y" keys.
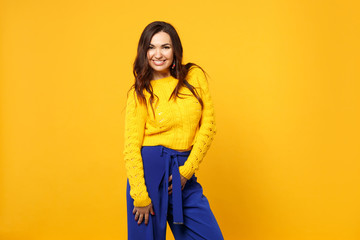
{"x": 142, "y": 202}
{"x": 186, "y": 171}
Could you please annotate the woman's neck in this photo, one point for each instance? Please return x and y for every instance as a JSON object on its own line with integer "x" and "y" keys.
{"x": 160, "y": 75}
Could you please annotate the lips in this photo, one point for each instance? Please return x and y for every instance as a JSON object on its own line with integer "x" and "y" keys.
{"x": 158, "y": 62}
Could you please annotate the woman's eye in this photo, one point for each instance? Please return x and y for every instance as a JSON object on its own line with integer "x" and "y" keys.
{"x": 167, "y": 47}
{"x": 151, "y": 47}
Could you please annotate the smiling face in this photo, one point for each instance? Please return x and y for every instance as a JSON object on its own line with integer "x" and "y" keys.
{"x": 160, "y": 55}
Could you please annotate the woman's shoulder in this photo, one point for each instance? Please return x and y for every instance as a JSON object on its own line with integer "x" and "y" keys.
{"x": 195, "y": 70}
{"x": 131, "y": 93}
{"x": 196, "y": 75}
{"x": 133, "y": 96}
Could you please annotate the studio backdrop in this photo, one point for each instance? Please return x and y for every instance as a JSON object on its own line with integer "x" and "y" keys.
{"x": 284, "y": 78}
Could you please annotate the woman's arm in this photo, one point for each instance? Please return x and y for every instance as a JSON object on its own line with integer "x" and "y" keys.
{"x": 135, "y": 119}
{"x": 207, "y": 131}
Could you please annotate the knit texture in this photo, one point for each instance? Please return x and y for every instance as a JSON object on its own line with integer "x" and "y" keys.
{"x": 178, "y": 125}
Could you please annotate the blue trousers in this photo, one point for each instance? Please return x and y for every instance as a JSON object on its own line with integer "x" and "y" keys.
{"x": 187, "y": 211}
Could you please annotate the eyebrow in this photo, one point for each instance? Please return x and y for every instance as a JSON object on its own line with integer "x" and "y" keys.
{"x": 162, "y": 45}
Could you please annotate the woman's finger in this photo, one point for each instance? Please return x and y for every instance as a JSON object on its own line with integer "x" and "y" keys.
{"x": 170, "y": 178}
{"x": 134, "y": 210}
{"x": 170, "y": 187}
{"x": 140, "y": 218}
{"x": 146, "y": 218}
{"x": 152, "y": 211}
{"x": 137, "y": 216}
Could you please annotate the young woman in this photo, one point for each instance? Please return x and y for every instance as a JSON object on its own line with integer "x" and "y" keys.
{"x": 169, "y": 126}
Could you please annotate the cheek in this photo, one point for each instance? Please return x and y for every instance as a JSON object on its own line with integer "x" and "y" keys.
{"x": 170, "y": 55}
{"x": 150, "y": 54}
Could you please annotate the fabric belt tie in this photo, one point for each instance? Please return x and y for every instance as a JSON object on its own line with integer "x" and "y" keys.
{"x": 171, "y": 157}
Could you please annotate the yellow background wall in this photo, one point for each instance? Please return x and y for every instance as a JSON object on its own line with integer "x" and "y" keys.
{"x": 285, "y": 83}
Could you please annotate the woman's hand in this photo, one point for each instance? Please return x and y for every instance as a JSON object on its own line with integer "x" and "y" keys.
{"x": 143, "y": 212}
{"x": 183, "y": 182}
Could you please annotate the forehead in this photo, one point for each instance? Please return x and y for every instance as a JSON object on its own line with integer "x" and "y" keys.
{"x": 160, "y": 38}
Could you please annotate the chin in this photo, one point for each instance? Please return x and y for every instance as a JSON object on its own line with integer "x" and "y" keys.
{"x": 160, "y": 68}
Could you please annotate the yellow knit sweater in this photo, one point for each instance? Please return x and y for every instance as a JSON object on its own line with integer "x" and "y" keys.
{"x": 179, "y": 125}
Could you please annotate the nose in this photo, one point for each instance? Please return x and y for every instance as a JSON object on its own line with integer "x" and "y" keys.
{"x": 158, "y": 53}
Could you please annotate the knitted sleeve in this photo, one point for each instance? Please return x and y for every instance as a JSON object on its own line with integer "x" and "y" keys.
{"x": 207, "y": 130}
{"x": 135, "y": 119}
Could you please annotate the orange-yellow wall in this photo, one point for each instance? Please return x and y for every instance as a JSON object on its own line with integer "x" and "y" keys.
{"x": 285, "y": 82}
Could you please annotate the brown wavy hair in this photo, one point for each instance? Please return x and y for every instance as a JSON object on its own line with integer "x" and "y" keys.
{"x": 143, "y": 71}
